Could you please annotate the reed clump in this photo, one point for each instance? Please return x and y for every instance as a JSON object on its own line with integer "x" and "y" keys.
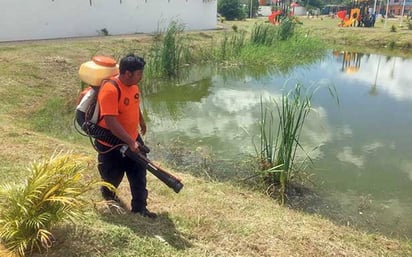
{"x": 265, "y": 44}
{"x": 281, "y": 123}
{"x": 263, "y": 34}
{"x": 168, "y": 54}
{"x": 231, "y": 45}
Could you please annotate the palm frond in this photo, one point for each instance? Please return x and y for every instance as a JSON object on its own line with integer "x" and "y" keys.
{"x": 52, "y": 193}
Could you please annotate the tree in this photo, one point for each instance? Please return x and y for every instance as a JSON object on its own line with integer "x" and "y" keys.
{"x": 230, "y": 9}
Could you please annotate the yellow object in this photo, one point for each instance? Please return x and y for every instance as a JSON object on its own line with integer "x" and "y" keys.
{"x": 352, "y": 69}
{"x": 92, "y": 73}
{"x": 354, "y": 14}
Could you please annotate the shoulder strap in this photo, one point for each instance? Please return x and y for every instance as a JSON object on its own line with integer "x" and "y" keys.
{"x": 114, "y": 83}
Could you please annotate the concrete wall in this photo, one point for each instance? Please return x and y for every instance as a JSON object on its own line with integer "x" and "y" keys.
{"x": 264, "y": 10}
{"x": 267, "y": 10}
{"x": 45, "y": 19}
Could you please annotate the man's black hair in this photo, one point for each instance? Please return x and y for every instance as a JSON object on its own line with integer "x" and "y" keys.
{"x": 131, "y": 63}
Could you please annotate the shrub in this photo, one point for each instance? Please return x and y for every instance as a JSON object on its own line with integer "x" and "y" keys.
{"x": 51, "y": 194}
{"x": 231, "y": 9}
{"x": 286, "y": 29}
{"x": 103, "y": 32}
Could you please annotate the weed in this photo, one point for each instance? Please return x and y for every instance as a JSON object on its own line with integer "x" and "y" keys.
{"x": 391, "y": 44}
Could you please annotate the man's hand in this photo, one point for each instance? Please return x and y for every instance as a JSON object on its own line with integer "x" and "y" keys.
{"x": 116, "y": 128}
{"x": 134, "y": 147}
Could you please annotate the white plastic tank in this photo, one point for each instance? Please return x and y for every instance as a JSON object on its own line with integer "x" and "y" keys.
{"x": 99, "y": 68}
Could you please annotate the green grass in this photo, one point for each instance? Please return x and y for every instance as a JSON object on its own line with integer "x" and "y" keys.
{"x": 266, "y": 45}
{"x": 351, "y": 39}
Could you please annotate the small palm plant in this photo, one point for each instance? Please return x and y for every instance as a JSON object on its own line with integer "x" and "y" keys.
{"x": 280, "y": 142}
{"x": 51, "y": 194}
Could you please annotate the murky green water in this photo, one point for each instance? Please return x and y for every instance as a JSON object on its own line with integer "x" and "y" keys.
{"x": 363, "y": 163}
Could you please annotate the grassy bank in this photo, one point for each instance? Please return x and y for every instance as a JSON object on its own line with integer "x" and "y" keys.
{"x": 207, "y": 218}
{"x": 378, "y": 39}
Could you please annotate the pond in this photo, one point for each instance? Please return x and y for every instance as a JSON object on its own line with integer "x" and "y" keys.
{"x": 361, "y": 147}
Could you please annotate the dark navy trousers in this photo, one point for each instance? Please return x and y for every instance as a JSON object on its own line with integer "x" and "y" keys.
{"x": 112, "y": 167}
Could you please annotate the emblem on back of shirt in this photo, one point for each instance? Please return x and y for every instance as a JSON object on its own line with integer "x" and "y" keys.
{"x": 136, "y": 96}
{"x": 126, "y": 101}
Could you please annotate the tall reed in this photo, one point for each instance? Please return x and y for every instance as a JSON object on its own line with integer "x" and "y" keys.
{"x": 280, "y": 138}
{"x": 167, "y": 55}
{"x": 287, "y": 28}
{"x": 263, "y": 34}
{"x": 51, "y": 194}
{"x": 232, "y": 45}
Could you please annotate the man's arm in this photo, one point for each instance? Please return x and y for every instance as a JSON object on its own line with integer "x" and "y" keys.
{"x": 117, "y": 130}
{"x": 142, "y": 124}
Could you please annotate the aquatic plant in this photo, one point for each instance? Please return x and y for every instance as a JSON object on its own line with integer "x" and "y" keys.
{"x": 167, "y": 55}
{"x": 280, "y": 138}
{"x": 231, "y": 45}
{"x": 263, "y": 34}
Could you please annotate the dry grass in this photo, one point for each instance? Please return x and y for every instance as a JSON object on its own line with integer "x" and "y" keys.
{"x": 226, "y": 220}
{"x": 377, "y": 37}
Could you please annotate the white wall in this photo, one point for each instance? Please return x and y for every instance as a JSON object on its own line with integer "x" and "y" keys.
{"x": 267, "y": 10}
{"x": 44, "y": 19}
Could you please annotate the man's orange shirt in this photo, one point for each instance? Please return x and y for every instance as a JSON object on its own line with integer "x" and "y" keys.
{"x": 126, "y": 109}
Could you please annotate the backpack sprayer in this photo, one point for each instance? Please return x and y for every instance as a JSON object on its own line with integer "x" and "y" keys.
{"x": 87, "y": 115}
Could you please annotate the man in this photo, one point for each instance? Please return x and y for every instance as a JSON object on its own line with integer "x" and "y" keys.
{"x": 123, "y": 117}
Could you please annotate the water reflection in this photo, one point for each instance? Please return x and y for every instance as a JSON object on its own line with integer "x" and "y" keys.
{"x": 351, "y": 61}
{"x": 223, "y": 115}
{"x": 392, "y": 74}
{"x": 362, "y": 148}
